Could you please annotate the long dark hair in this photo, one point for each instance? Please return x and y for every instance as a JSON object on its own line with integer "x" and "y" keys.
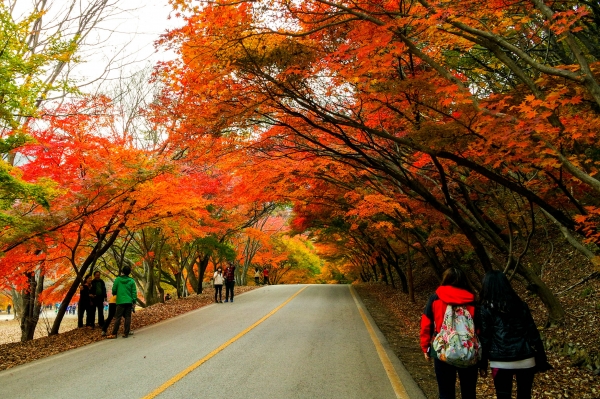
{"x": 456, "y": 278}
{"x": 497, "y": 293}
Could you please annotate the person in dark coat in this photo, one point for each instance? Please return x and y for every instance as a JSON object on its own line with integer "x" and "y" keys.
{"x": 509, "y": 338}
{"x": 97, "y": 297}
{"x": 454, "y": 290}
{"x": 84, "y": 304}
{"x": 229, "y": 281}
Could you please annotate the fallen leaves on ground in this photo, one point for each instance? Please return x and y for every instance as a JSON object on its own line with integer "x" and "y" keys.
{"x": 16, "y": 353}
{"x": 399, "y": 320}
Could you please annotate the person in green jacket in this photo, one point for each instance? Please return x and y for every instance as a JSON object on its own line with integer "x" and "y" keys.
{"x": 126, "y": 292}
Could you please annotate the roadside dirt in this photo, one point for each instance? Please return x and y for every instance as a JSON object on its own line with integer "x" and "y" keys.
{"x": 16, "y": 353}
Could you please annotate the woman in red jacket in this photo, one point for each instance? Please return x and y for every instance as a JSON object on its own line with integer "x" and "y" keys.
{"x": 454, "y": 290}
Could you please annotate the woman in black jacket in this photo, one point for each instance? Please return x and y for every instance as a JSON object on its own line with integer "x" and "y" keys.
{"x": 84, "y": 305}
{"x": 509, "y": 337}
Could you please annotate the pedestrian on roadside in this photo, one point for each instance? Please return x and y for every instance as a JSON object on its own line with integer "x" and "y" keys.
{"x": 97, "y": 297}
{"x": 454, "y": 290}
{"x": 218, "y": 281}
{"x": 256, "y": 276}
{"x": 112, "y": 309}
{"x": 126, "y": 292}
{"x": 266, "y": 276}
{"x": 509, "y": 337}
{"x": 229, "y": 281}
{"x": 8, "y": 308}
{"x": 84, "y": 305}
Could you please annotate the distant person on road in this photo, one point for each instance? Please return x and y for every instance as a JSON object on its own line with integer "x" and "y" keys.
{"x": 454, "y": 290}
{"x": 126, "y": 292}
{"x": 266, "y": 276}
{"x": 168, "y": 297}
{"x": 97, "y": 297}
{"x": 8, "y": 308}
{"x": 509, "y": 337}
{"x": 218, "y": 281}
{"x": 84, "y": 305}
{"x": 229, "y": 281}
{"x": 112, "y": 309}
{"x": 256, "y": 276}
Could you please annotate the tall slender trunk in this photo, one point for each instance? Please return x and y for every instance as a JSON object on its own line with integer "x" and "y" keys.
{"x": 31, "y": 305}
{"x": 409, "y": 274}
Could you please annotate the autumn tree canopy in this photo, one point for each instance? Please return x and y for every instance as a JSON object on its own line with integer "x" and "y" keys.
{"x": 389, "y": 137}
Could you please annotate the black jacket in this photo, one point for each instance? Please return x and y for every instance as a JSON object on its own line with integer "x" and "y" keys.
{"x": 510, "y": 336}
{"x": 94, "y": 291}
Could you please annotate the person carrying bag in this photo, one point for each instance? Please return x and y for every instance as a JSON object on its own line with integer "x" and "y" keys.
{"x": 510, "y": 340}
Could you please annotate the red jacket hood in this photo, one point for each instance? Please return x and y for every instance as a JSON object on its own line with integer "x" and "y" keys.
{"x": 454, "y": 296}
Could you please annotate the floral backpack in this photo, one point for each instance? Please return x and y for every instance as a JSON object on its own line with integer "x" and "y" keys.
{"x": 456, "y": 343}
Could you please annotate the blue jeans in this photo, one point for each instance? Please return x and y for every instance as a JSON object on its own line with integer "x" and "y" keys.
{"x": 446, "y": 379}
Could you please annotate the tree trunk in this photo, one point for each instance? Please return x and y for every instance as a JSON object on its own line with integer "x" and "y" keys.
{"x": 409, "y": 275}
{"x": 556, "y": 313}
{"x": 402, "y": 277}
{"x": 202, "y": 264}
{"x": 178, "y": 284}
{"x": 31, "y": 306}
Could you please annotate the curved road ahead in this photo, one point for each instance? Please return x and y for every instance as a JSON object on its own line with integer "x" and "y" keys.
{"x": 285, "y": 341}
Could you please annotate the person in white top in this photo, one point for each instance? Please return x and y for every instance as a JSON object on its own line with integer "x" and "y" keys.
{"x": 218, "y": 281}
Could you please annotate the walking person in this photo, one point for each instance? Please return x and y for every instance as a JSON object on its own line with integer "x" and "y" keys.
{"x": 266, "y": 276}
{"x": 218, "y": 281}
{"x": 112, "y": 309}
{"x": 126, "y": 292}
{"x": 97, "y": 297}
{"x": 229, "y": 281}
{"x": 256, "y": 276}
{"x": 509, "y": 337}
{"x": 8, "y": 308}
{"x": 84, "y": 305}
{"x": 452, "y": 297}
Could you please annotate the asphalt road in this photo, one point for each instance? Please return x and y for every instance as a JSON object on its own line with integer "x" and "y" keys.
{"x": 318, "y": 344}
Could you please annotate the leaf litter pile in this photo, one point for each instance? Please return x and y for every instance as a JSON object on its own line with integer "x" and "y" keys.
{"x": 16, "y": 353}
{"x": 399, "y": 321}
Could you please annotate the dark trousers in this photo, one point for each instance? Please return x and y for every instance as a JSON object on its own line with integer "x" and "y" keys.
{"x": 257, "y": 280}
{"x": 112, "y": 308}
{"x": 266, "y": 280}
{"x": 503, "y": 381}
{"x": 81, "y": 310}
{"x": 446, "y": 379}
{"x": 123, "y": 310}
{"x": 229, "y": 289}
{"x": 97, "y": 306}
{"x": 219, "y": 290}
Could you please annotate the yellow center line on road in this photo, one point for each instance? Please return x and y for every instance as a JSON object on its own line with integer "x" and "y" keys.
{"x": 194, "y": 366}
{"x": 385, "y": 360}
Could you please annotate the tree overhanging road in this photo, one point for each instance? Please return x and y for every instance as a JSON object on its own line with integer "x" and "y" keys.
{"x": 312, "y": 341}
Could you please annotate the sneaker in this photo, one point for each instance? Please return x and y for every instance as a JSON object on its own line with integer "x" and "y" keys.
{"x": 231, "y": 299}
{"x": 226, "y": 300}
{"x": 124, "y": 336}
